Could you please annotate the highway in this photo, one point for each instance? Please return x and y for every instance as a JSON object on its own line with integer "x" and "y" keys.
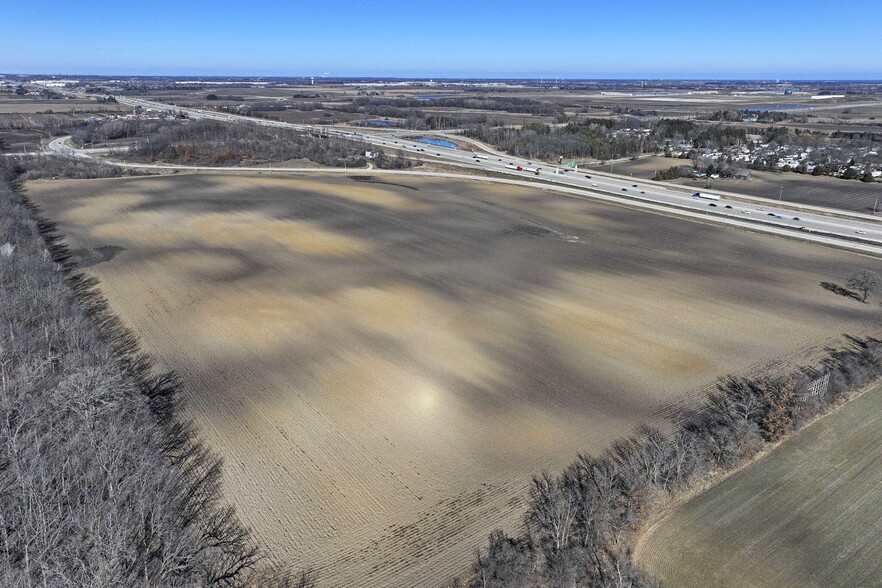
{"x": 853, "y": 231}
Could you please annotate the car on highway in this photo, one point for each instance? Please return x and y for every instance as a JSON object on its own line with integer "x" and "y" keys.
{"x": 642, "y": 192}
{"x": 587, "y": 176}
{"x": 745, "y": 212}
{"x": 624, "y": 189}
{"x": 633, "y": 185}
{"x": 728, "y": 206}
{"x": 860, "y": 232}
{"x": 771, "y": 214}
{"x": 712, "y": 204}
{"x": 796, "y": 218}
{"x": 594, "y": 184}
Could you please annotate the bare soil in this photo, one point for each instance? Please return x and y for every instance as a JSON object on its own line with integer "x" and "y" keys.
{"x": 33, "y": 106}
{"x": 384, "y": 362}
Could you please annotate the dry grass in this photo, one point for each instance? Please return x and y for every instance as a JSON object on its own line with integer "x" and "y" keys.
{"x": 807, "y": 514}
{"x": 384, "y": 363}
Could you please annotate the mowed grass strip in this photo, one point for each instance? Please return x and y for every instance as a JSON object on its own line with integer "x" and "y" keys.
{"x": 807, "y": 514}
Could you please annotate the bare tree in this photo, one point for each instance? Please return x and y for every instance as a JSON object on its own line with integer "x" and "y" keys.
{"x": 509, "y": 563}
{"x": 552, "y": 513}
{"x": 865, "y": 282}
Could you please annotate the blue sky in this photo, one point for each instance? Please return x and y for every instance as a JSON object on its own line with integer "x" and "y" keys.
{"x": 786, "y": 39}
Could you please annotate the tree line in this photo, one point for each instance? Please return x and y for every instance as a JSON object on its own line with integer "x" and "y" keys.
{"x": 207, "y": 142}
{"x": 14, "y": 169}
{"x": 102, "y": 482}
{"x": 581, "y": 525}
{"x": 540, "y": 141}
{"x": 374, "y": 105}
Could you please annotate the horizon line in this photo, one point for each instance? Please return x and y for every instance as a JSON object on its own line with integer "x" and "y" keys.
{"x": 448, "y": 77}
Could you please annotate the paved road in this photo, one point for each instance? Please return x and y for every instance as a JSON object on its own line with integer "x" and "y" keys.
{"x": 853, "y": 231}
{"x": 60, "y": 147}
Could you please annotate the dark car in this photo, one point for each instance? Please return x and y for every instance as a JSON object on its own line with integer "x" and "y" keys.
{"x": 633, "y": 185}
{"x": 796, "y": 218}
{"x": 587, "y": 176}
{"x": 624, "y": 189}
{"x": 712, "y": 204}
{"x": 728, "y": 206}
{"x": 770, "y": 213}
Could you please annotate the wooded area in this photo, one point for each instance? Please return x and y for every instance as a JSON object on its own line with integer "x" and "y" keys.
{"x": 102, "y": 482}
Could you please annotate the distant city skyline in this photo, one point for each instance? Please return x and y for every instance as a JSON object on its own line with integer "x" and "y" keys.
{"x": 632, "y": 39}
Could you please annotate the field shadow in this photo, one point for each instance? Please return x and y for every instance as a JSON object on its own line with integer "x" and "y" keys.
{"x": 837, "y": 289}
{"x": 527, "y": 230}
{"x": 92, "y": 257}
{"x": 374, "y": 180}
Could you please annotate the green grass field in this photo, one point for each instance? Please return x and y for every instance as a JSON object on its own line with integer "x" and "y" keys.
{"x": 807, "y": 514}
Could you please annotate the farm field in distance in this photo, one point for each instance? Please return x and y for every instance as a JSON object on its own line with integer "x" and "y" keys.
{"x": 384, "y": 361}
{"x": 26, "y": 106}
{"x": 798, "y": 188}
{"x": 807, "y": 514}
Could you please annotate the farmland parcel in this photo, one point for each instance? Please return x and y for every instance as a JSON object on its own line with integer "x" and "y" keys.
{"x": 807, "y": 514}
{"x": 384, "y": 363}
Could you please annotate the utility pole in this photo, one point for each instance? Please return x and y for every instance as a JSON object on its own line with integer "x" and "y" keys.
{"x": 875, "y": 204}
{"x": 781, "y": 193}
